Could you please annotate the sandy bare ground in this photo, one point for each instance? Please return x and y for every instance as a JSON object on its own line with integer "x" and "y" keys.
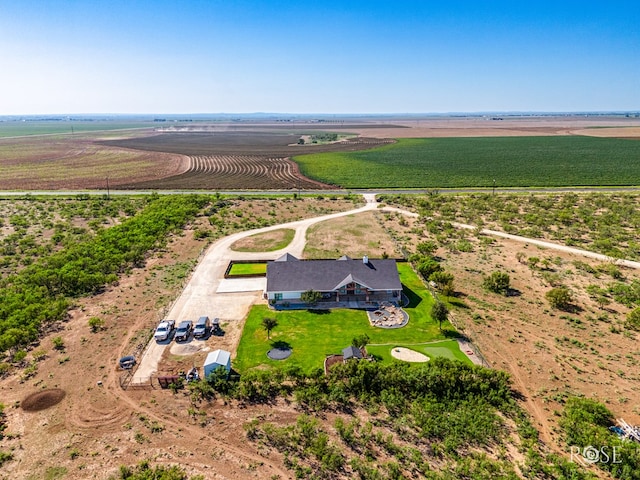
{"x": 550, "y": 354}
{"x": 532, "y": 241}
{"x": 508, "y": 127}
{"x": 621, "y": 132}
{"x": 408, "y": 355}
{"x": 109, "y": 427}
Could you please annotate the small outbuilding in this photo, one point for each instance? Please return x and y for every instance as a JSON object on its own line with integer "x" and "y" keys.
{"x": 215, "y": 360}
{"x": 351, "y": 352}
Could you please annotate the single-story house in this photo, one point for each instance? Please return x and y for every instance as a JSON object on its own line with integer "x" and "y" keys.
{"x": 217, "y": 359}
{"x": 341, "y": 280}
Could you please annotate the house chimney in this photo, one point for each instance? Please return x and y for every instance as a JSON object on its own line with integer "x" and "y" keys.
{"x": 365, "y": 260}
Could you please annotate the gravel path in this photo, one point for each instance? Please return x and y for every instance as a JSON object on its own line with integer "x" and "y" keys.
{"x": 532, "y": 241}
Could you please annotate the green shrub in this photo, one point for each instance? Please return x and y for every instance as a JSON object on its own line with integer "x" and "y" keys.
{"x": 633, "y": 319}
{"x": 559, "y": 297}
{"x": 497, "y": 282}
{"x": 58, "y": 343}
{"x": 96, "y": 323}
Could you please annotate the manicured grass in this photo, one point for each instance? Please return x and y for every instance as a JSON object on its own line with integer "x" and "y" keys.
{"x": 446, "y": 348}
{"x": 477, "y": 162}
{"x": 313, "y": 335}
{"x": 248, "y": 269}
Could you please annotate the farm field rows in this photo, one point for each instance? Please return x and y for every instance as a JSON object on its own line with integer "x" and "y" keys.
{"x": 228, "y": 172}
{"x": 75, "y": 162}
{"x": 257, "y": 157}
{"x": 479, "y": 162}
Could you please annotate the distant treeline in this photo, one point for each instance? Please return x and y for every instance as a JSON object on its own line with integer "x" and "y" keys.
{"x": 41, "y": 293}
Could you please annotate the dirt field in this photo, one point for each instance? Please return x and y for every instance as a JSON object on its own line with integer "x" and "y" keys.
{"x": 58, "y": 163}
{"x": 550, "y": 354}
{"x": 71, "y": 414}
{"x": 508, "y": 127}
{"x": 230, "y": 156}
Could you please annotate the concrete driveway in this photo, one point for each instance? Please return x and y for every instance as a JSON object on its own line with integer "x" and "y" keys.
{"x": 209, "y": 293}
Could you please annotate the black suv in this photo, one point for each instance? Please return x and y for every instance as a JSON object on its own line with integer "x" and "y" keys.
{"x": 183, "y": 331}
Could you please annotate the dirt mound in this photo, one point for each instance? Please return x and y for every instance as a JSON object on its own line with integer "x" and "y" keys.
{"x": 42, "y": 400}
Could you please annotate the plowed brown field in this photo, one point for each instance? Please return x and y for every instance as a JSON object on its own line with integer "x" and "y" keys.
{"x": 228, "y": 172}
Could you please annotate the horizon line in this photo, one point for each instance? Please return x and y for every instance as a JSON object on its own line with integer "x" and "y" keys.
{"x": 326, "y": 114}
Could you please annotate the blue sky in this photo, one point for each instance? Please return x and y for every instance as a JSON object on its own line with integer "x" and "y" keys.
{"x": 139, "y": 56}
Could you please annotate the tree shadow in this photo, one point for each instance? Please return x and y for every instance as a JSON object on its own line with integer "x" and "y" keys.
{"x": 319, "y": 311}
{"x": 456, "y": 302}
{"x": 460, "y": 336}
{"x": 281, "y": 345}
{"x": 571, "y": 308}
{"x": 513, "y": 292}
{"x": 451, "y": 333}
{"x": 218, "y": 332}
{"x": 414, "y": 298}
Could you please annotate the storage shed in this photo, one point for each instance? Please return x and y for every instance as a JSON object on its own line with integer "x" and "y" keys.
{"x": 215, "y": 360}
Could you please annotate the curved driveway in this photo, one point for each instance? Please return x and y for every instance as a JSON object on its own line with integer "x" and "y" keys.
{"x": 201, "y": 295}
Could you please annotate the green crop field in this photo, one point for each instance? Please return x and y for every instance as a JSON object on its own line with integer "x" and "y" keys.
{"x": 477, "y": 162}
{"x": 21, "y": 129}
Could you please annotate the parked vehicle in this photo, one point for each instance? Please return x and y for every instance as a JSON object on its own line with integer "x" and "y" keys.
{"x": 163, "y": 330}
{"x": 192, "y": 375}
{"x": 127, "y": 363}
{"x": 215, "y": 326}
{"x": 202, "y": 327}
{"x": 184, "y": 330}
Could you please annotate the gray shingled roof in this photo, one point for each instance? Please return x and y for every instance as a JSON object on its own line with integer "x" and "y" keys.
{"x": 351, "y": 352}
{"x": 293, "y": 275}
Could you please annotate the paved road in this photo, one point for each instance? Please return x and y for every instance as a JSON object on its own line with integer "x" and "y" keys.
{"x": 359, "y": 191}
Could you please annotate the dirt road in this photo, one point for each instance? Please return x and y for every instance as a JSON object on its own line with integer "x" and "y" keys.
{"x": 532, "y": 241}
{"x": 203, "y": 294}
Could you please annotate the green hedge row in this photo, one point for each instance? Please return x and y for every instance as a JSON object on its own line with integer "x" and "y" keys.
{"x": 42, "y": 293}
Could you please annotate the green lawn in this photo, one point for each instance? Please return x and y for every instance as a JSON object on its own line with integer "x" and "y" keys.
{"x": 477, "y": 162}
{"x": 446, "y": 348}
{"x": 313, "y": 335}
{"x": 248, "y": 269}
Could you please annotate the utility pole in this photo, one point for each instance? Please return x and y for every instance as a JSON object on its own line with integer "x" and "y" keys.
{"x": 107, "y": 187}
{"x": 494, "y": 186}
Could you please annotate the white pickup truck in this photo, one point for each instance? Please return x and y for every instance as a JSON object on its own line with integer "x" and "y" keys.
{"x": 163, "y": 330}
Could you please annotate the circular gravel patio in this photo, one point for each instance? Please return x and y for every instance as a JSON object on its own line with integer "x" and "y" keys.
{"x": 279, "y": 353}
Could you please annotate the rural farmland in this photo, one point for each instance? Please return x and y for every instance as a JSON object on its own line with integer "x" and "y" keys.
{"x": 479, "y": 162}
{"x": 253, "y": 421}
{"x": 267, "y": 240}
{"x": 532, "y": 152}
